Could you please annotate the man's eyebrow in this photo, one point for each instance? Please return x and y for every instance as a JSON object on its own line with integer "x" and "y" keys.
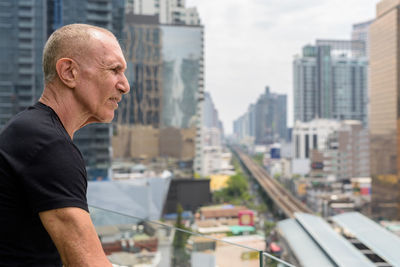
{"x": 118, "y": 66}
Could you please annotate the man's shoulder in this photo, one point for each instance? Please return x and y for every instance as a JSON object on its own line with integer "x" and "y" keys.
{"x": 34, "y": 122}
{"x": 30, "y": 131}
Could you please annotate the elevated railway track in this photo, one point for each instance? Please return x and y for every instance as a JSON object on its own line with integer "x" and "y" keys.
{"x": 283, "y": 199}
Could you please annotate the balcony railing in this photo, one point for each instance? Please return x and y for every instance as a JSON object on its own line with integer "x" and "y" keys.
{"x": 132, "y": 241}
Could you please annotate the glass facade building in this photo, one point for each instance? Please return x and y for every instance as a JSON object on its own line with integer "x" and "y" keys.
{"x": 384, "y": 110}
{"x": 182, "y": 53}
{"x": 142, "y": 45}
{"x": 23, "y": 32}
{"x": 330, "y": 81}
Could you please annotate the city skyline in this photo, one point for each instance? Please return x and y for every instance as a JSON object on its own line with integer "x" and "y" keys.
{"x": 244, "y": 55}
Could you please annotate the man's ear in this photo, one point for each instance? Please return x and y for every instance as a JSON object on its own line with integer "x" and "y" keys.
{"x": 66, "y": 70}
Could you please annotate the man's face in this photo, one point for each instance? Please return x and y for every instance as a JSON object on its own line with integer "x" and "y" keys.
{"x": 102, "y": 81}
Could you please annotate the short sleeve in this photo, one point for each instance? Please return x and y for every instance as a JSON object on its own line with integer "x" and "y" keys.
{"x": 56, "y": 178}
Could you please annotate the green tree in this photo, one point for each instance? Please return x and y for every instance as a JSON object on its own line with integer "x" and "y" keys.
{"x": 180, "y": 258}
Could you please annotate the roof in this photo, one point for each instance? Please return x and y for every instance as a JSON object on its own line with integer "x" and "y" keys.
{"x": 382, "y": 242}
{"x": 221, "y": 211}
{"x": 340, "y": 250}
{"x": 306, "y": 250}
{"x": 237, "y": 229}
{"x": 142, "y": 198}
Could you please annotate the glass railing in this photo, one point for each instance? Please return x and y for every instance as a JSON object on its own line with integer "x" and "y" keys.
{"x": 131, "y": 241}
{"x": 272, "y": 261}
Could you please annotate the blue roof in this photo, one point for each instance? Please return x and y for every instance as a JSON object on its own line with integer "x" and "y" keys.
{"x": 382, "y": 242}
{"x": 302, "y": 245}
{"x": 340, "y": 250}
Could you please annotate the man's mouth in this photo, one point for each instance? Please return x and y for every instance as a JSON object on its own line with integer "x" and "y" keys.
{"x": 115, "y": 100}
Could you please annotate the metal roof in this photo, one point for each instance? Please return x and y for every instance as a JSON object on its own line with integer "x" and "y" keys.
{"x": 382, "y": 242}
{"x": 339, "y": 250}
{"x": 302, "y": 245}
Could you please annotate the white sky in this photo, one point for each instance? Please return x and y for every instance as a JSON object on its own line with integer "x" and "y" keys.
{"x": 250, "y": 44}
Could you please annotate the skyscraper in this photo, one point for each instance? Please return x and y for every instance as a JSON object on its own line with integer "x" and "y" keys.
{"x": 143, "y": 54}
{"x": 264, "y": 121}
{"x": 330, "y": 81}
{"x": 183, "y": 85}
{"x": 384, "y": 120}
{"x": 270, "y": 117}
{"x": 165, "y": 69}
{"x": 23, "y": 31}
{"x": 139, "y": 114}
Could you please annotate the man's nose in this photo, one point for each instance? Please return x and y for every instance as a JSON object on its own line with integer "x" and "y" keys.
{"x": 123, "y": 86}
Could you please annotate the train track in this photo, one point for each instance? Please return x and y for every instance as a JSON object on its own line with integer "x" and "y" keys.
{"x": 286, "y": 202}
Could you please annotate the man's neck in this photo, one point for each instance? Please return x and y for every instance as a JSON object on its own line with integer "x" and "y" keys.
{"x": 63, "y": 104}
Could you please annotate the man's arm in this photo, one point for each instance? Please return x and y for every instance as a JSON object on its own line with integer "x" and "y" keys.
{"x": 75, "y": 237}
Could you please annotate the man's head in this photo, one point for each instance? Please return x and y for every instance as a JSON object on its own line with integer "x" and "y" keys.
{"x": 88, "y": 61}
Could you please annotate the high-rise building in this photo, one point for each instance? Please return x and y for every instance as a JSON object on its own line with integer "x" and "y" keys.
{"x": 360, "y": 32}
{"x": 265, "y": 121}
{"x": 165, "y": 69}
{"x": 270, "y": 115}
{"x": 137, "y": 120}
{"x": 330, "y": 81}
{"x": 183, "y": 90}
{"x": 142, "y": 48}
{"x": 169, "y": 11}
{"x": 384, "y": 117}
{"x": 23, "y": 31}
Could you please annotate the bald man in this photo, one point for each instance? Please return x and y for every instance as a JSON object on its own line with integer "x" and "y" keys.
{"x": 44, "y": 217}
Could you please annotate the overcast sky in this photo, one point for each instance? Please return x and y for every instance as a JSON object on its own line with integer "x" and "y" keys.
{"x": 250, "y": 44}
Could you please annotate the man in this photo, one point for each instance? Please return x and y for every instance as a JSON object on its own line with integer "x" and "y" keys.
{"x": 44, "y": 219}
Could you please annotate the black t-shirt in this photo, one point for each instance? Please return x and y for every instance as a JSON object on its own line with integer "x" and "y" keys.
{"x": 40, "y": 169}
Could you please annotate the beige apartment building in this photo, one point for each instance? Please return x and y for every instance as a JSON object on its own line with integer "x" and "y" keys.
{"x": 384, "y": 110}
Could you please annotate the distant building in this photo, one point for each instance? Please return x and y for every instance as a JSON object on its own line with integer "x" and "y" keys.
{"x": 264, "y": 122}
{"x": 346, "y": 154}
{"x": 163, "y": 109}
{"x": 308, "y": 136}
{"x": 330, "y": 81}
{"x": 168, "y": 11}
{"x": 331, "y": 149}
{"x": 23, "y": 32}
{"x": 270, "y": 118}
{"x": 360, "y": 32}
{"x": 210, "y": 160}
{"x": 142, "y": 46}
{"x": 183, "y": 88}
{"x": 384, "y": 110}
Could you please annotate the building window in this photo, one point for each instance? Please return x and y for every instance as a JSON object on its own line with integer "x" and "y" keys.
{"x": 315, "y": 141}
{"x": 307, "y": 146}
